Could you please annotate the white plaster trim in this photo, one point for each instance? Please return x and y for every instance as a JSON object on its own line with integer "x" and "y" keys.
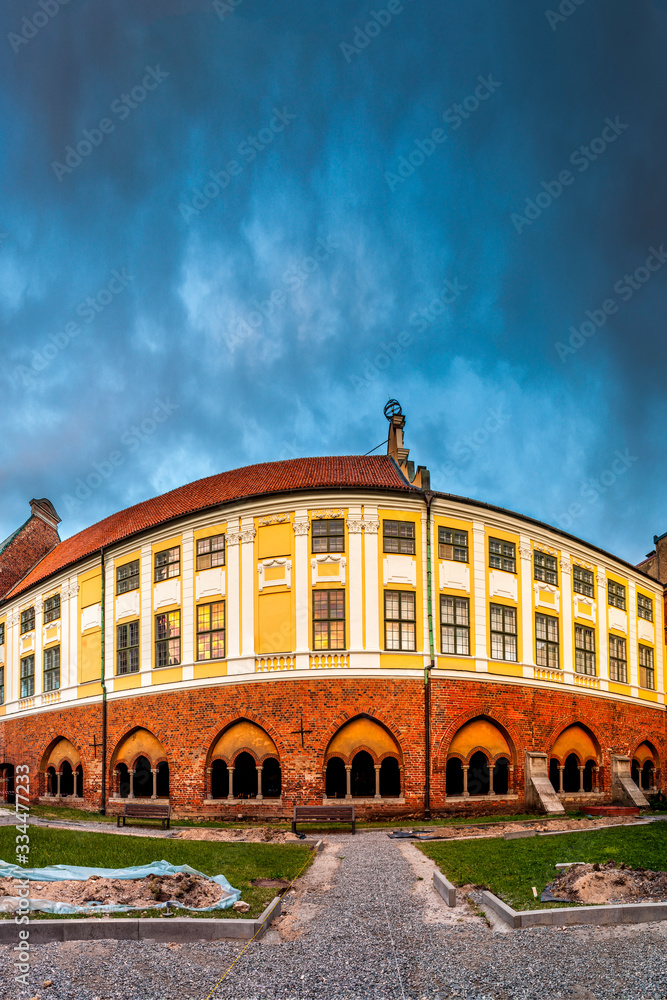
{"x": 399, "y": 569}
{"x": 545, "y": 588}
{"x": 283, "y": 581}
{"x": 503, "y": 584}
{"x": 585, "y": 607}
{"x": 128, "y": 604}
{"x": 48, "y": 627}
{"x": 2, "y": 653}
{"x": 166, "y": 592}
{"x": 645, "y": 631}
{"x": 328, "y": 558}
{"x": 91, "y": 617}
{"x": 454, "y": 575}
{"x": 618, "y": 620}
{"x": 210, "y": 582}
{"x": 27, "y": 642}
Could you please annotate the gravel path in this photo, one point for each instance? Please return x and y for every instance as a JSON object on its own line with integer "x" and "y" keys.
{"x": 364, "y": 924}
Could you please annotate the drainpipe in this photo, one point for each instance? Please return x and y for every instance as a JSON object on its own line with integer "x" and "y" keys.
{"x": 427, "y": 670}
{"x": 103, "y": 805}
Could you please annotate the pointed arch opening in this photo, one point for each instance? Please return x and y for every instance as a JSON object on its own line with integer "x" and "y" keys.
{"x": 243, "y": 763}
{"x": 363, "y": 761}
{"x": 61, "y": 770}
{"x": 574, "y": 761}
{"x": 139, "y": 768}
{"x": 480, "y": 760}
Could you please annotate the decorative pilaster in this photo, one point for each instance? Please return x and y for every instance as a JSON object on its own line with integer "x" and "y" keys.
{"x": 354, "y": 537}
{"x": 232, "y": 542}
{"x": 527, "y": 653}
{"x": 301, "y": 527}
{"x": 371, "y": 579}
{"x": 248, "y": 532}
{"x": 567, "y": 661}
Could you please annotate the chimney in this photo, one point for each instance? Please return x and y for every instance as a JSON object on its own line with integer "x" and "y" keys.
{"x": 28, "y": 544}
{"x": 44, "y": 508}
{"x": 397, "y": 450}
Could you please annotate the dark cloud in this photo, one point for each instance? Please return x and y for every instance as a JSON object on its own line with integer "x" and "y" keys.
{"x": 426, "y": 290}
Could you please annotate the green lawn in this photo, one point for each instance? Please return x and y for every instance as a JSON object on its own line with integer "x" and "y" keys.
{"x": 239, "y": 863}
{"x": 509, "y": 868}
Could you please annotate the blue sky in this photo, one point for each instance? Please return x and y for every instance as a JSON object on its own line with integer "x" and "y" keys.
{"x": 230, "y": 231}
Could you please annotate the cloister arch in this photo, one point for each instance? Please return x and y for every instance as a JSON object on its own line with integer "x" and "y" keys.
{"x": 243, "y": 763}
{"x": 645, "y": 766}
{"x": 61, "y": 770}
{"x": 7, "y": 783}
{"x": 480, "y": 760}
{"x": 574, "y": 761}
{"x": 363, "y": 760}
{"x": 139, "y": 767}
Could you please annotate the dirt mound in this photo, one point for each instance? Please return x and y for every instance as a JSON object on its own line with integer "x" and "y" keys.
{"x": 609, "y": 883}
{"x": 253, "y": 835}
{"x": 189, "y": 890}
{"x": 538, "y": 825}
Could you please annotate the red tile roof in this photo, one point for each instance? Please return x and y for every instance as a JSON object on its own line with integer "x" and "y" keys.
{"x": 370, "y": 472}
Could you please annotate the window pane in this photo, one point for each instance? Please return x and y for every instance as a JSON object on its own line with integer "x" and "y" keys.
{"x": 408, "y": 636}
{"x": 391, "y": 603}
{"x": 447, "y": 609}
{"x": 407, "y": 606}
{"x": 447, "y": 639}
{"x": 393, "y": 635}
{"x": 462, "y": 642}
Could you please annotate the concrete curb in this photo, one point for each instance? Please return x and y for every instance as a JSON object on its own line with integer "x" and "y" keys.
{"x": 624, "y": 913}
{"x": 444, "y": 888}
{"x": 147, "y": 929}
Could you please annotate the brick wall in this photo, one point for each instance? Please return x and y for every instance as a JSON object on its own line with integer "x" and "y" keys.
{"x": 32, "y": 542}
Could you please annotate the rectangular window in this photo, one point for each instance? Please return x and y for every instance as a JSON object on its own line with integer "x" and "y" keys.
{"x": 210, "y": 552}
{"x": 645, "y": 607}
{"x": 618, "y": 659}
{"x": 398, "y": 536}
{"x": 2, "y": 633}
{"x": 211, "y": 631}
{"x": 52, "y": 668}
{"x": 2, "y": 685}
{"x": 27, "y": 676}
{"x": 503, "y": 633}
{"x": 27, "y": 620}
{"x": 545, "y": 568}
{"x": 646, "y": 671}
{"x": 502, "y": 555}
{"x": 168, "y": 639}
{"x": 582, "y": 581}
{"x": 328, "y": 619}
{"x": 127, "y": 577}
{"x": 127, "y": 648}
{"x": 616, "y": 595}
{"x": 584, "y": 650}
{"x": 52, "y": 608}
{"x": 546, "y": 642}
{"x": 453, "y": 545}
{"x": 167, "y": 563}
{"x": 399, "y": 620}
{"x": 328, "y": 535}
{"x": 455, "y": 625}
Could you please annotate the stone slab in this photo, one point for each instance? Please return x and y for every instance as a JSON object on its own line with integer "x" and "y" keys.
{"x": 570, "y": 916}
{"x": 444, "y": 888}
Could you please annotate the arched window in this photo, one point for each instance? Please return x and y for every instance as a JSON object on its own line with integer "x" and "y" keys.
{"x": 571, "y": 774}
{"x": 271, "y": 779}
{"x": 78, "y": 781}
{"x": 143, "y": 779}
{"x": 501, "y": 776}
{"x": 219, "y": 780}
{"x": 7, "y": 783}
{"x": 51, "y": 781}
{"x": 336, "y": 783}
{"x": 554, "y": 775}
{"x": 588, "y": 776}
{"x": 123, "y": 780}
{"x": 162, "y": 780}
{"x": 478, "y": 774}
{"x": 454, "y": 777}
{"x": 66, "y": 779}
{"x": 390, "y": 778}
{"x": 363, "y": 775}
{"x": 648, "y": 775}
{"x": 245, "y": 776}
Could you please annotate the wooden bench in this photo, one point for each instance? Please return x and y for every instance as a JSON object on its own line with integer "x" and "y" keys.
{"x": 141, "y": 810}
{"x": 311, "y": 814}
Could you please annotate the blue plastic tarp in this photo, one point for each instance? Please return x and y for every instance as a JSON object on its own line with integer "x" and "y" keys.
{"x": 79, "y": 873}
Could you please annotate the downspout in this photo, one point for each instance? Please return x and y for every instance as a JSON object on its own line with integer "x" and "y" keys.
{"x": 427, "y": 670}
{"x": 103, "y": 805}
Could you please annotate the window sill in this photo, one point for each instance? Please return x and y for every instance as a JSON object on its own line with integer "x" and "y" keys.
{"x": 271, "y": 799}
{"x": 460, "y": 799}
{"x": 359, "y": 800}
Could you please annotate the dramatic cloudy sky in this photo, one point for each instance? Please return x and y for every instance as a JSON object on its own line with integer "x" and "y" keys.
{"x": 430, "y": 283}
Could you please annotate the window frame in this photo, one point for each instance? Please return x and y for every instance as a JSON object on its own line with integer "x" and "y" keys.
{"x": 649, "y": 670}
{"x": 164, "y": 641}
{"x": 211, "y": 553}
{"x": 504, "y": 558}
{"x": 27, "y": 617}
{"x": 2, "y": 633}
{"x": 24, "y": 676}
{"x": 405, "y": 542}
{"x": 2, "y": 683}
{"x": 52, "y": 613}
{"x": 211, "y": 631}
{"x": 130, "y": 576}
{"x": 454, "y": 544}
{"x": 127, "y": 649}
{"x": 548, "y": 644}
{"x": 400, "y": 621}
{"x": 327, "y": 536}
{"x": 329, "y": 619}
{"x": 53, "y": 670}
{"x": 541, "y": 566}
{"x": 616, "y": 595}
{"x": 579, "y": 584}
{"x": 506, "y": 611}
{"x": 167, "y": 564}
{"x": 618, "y": 660}
{"x": 585, "y": 651}
{"x": 457, "y": 628}
{"x": 645, "y": 610}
